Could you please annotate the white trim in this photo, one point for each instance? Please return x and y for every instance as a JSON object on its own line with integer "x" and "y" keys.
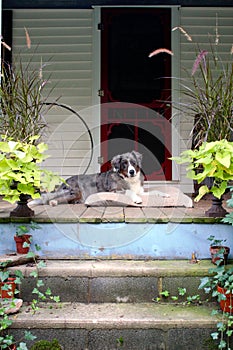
{"x": 175, "y": 45}
{"x": 96, "y": 81}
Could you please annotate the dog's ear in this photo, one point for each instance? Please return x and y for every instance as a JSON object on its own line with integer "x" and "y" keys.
{"x": 138, "y": 157}
{"x": 116, "y": 163}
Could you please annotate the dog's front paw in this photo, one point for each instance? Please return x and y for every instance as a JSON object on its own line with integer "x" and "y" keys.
{"x": 137, "y": 200}
{"x": 133, "y": 196}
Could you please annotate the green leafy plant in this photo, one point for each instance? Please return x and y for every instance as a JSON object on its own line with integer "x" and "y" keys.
{"x": 120, "y": 341}
{"x": 42, "y": 295}
{"x": 215, "y": 241}
{"x": 19, "y": 170}
{"x": 6, "y": 339}
{"x": 182, "y": 292}
{"x": 25, "y": 229}
{"x": 211, "y": 159}
{"x": 221, "y": 276}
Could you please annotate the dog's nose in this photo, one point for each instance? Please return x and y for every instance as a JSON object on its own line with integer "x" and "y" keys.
{"x": 131, "y": 172}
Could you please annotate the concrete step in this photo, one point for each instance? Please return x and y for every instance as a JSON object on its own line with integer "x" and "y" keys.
{"x": 128, "y": 326}
{"x": 115, "y": 281}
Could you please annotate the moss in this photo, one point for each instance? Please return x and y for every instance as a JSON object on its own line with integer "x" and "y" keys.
{"x": 46, "y": 345}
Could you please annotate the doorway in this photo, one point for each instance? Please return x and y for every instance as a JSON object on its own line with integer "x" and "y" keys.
{"x": 135, "y": 89}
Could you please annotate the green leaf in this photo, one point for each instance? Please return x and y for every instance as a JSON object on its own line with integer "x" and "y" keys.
{"x": 223, "y": 158}
{"x": 22, "y": 346}
{"x": 41, "y": 264}
{"x": 29, "y": 336}
{"x": 40, "y": 283}
{"x": 48, "y": 292}
{"x": 12, "y": 145}
{"x": 34, "y": 274}
{"x": 214, "y": 335}
{"x": 202, "y": 191}
{"x": 42, "y": 147}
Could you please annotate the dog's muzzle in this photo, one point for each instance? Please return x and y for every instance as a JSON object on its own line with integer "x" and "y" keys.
{"x": 132, "y": 172}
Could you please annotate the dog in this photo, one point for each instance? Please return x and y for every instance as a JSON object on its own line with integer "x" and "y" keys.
{"x": 125, "y": 176}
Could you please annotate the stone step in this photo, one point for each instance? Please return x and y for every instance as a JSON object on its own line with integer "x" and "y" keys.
{"x": 115, "y": 281}
{"x": 110, "y": 326}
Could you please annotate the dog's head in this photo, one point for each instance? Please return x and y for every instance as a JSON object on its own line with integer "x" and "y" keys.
{"x": 127, "y": 164}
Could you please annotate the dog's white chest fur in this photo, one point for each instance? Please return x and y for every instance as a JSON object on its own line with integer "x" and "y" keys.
{"x": 136, "y": 188}
{"x": 135, "y": 183}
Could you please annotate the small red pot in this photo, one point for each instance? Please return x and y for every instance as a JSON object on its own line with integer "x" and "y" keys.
{"x": 20, "y": 240}
{"x": 215, "y": 255}
{"x": 226, "y": 305}
{"x": 8, "y": 294}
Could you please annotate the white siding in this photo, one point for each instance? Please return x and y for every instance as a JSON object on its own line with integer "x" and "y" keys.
{"x": 63, "y": 40}
{"x": 200, "y": 24}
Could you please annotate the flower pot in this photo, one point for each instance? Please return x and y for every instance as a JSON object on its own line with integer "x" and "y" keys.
{"x": 216, "y": 210}
{"x": 20, "y": 240}
{"x": 9, "y": 293}
{"x": 22, "y": 209}
{"x": 217, "y": 253}
{"x": 226, "y": 305}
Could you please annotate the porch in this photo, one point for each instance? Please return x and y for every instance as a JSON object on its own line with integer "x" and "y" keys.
{"x": 81, "y": 232}
{"x": 115, "y": 214}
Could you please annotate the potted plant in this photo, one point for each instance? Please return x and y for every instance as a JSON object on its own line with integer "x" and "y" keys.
{"x": 7, "y": 285}
{"x": 213, "y": 160}
{"x": 23, "y": 238}
{"x": 22, "y": 124}
{"x": 218, "y": 250}
{"x": 220, "y": 284}
{"x": 207, "y": 97}
{"x": 21, "y": 177}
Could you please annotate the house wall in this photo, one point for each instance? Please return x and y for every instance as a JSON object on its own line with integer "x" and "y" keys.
{"x": 64, "y": 39}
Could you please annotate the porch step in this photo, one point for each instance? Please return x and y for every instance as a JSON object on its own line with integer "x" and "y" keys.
{"x": 109, "y": 304}
{"x": 110, "y": 326}
{"x": 116, "y": 281}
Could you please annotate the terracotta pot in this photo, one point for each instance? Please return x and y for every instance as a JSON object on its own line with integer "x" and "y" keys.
{"x": 8, "y": 294}
{"x": 13, "y": 347}
{"x": 226, "y": 305}
{"x": 20, "y": 240}
{"x": 215, "y": 255}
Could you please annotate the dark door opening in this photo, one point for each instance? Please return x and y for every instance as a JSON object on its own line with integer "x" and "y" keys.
{"x": 136, "y": 89}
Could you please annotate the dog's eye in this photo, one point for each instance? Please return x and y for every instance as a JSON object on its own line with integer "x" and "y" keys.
{"x": 124, "y": 165}
{"x": 133, "y": 163}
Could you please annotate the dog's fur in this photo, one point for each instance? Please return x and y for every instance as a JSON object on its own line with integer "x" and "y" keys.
{"x": 125, "y": 175}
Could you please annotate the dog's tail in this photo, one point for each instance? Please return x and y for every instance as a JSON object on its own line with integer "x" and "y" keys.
{"x": 47, "y": 197}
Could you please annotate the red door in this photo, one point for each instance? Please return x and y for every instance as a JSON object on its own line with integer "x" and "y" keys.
{"x": 136, "y": 89}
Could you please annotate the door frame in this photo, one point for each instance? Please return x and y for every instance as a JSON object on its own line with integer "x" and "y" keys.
{"x": 96, "y": 78}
